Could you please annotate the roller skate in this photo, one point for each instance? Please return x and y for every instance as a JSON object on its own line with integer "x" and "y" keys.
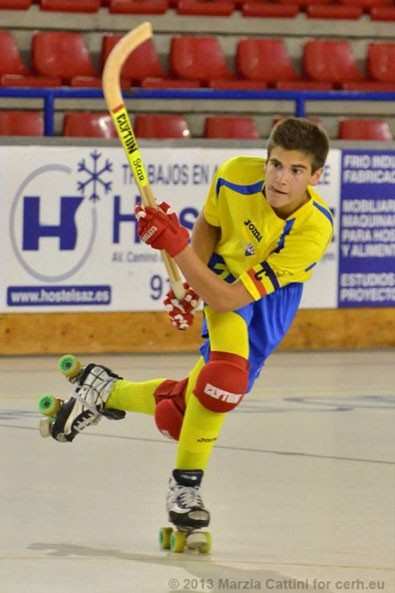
{"x": 92, "y": 386}
{"x": 187, "y": 513}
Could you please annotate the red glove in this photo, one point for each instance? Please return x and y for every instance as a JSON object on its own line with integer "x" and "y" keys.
{"x": 159, "y": 228}
{"x": 182, "y": 311}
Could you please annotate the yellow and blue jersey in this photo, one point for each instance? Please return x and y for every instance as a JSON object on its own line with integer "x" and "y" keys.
{"x": 271, "y": 256}
{"x": 266, "y": 252}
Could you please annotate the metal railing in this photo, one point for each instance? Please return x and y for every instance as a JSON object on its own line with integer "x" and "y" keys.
{"x": 50, "y": 95}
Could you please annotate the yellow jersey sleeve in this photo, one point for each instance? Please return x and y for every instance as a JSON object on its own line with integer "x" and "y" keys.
{"x": 210, "y": 208}
{"x": 294, "y": 262}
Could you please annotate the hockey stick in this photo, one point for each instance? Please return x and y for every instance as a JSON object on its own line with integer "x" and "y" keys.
{"x": 123, "y": 126}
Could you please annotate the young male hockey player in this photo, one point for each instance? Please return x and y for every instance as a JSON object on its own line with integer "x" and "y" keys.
{"x": 259, "y": 236}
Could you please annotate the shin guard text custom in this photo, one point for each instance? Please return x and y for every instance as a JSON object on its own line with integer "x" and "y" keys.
{"x": 222, "y": 382}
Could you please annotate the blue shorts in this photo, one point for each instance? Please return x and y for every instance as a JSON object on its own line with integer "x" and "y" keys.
{"x": 268, "y": 320}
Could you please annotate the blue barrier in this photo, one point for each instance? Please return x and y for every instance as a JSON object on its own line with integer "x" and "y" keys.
{"x": 50, "y": 95}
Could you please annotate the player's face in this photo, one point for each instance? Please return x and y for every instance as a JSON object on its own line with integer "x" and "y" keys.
{"x": 287, "y": 175}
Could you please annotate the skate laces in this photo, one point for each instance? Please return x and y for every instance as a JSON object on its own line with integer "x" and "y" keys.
{"x": 189, "y": 496}
{"x": 94, "y": 391}
{"x": 85, "y": 419}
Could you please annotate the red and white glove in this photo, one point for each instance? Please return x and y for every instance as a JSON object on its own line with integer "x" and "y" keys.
{"x": 160, "y": 228}
{"x": 182, "y": 311}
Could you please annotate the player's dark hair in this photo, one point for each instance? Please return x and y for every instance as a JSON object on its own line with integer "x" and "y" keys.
{"x": 296, "y": 133}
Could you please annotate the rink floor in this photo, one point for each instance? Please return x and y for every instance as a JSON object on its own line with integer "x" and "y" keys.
{"x": 301, "y": 486}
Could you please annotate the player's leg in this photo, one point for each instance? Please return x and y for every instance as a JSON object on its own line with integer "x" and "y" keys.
{"x": 101, "y": 392}
{"x": 250, "y": 335}
{"x": 134, "y": 396}
{"x": 213, "y": 389}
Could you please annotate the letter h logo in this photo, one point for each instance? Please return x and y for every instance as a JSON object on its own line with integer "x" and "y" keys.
{"x": 66, "y": 230}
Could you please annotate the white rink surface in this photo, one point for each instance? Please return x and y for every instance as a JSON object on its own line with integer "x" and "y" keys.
{"x": 301, "y": 486}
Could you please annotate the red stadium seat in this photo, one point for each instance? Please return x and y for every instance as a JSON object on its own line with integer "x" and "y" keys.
{"x": 381, "y": 61}
{"x": 230, "y": 127}
{"x": 169, "y": 83}
{"x": 303, "y": 85}
{"x": 333, "y": 11}
{"x": 202, "y": 7}
{"x": 15, "y": 4}
{"x": 161, "y": 126}
{"x": 366, "y": 4}
{"x": 88, "y": 125}
{"x": 264, "y": 59}
{"x": 15, "y": 80}
{"x": 62, "y": 54}
{"x": 142, "y": 63}
{"x": 269, "y": 9}
{"x": 13, "y": 72}
{"x": 330, "y": 61}
{"x": 369, "y": 85}
{"x": 364, "y": 129}
{"x": 70, "y": 5}
{"x": 302, "y": 4}
{"x": 21, "y": 123}
{"x": 139, "y": 6}
{"x": 237, "y": 85}
{"x": 382, "y": 13}
{"x": 86, "y": 81}
{"x": 10, "y": 58}
{"x": 198, "y": 58}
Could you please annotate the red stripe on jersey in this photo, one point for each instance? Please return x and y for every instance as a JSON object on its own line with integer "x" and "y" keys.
{"x": 258, "y": 285}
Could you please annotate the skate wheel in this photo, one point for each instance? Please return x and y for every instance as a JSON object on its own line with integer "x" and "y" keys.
{"x": 164, "y": 537}
{"x": 200, "y": 540}
{"x": 49, "y": 405}
{"x": 178, "y": 541}
{"x": 205, "y": 548}
{"x": 45, "y": 427}
{"x": 69, "y": 365}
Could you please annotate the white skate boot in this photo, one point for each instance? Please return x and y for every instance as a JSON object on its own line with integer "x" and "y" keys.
{"x": 93, "y": 385}
{"x": 187, "y": 512}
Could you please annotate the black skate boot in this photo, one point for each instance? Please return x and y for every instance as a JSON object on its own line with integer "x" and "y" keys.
{"x": 93, "y": 385}
{"x": 187, "y": 512}
{"x": 184, "y": 503}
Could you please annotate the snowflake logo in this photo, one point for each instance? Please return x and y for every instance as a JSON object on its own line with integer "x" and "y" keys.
{"x": 95, "y": 174}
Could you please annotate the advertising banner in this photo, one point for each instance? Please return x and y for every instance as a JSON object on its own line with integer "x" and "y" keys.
{"x": 68, "y": 232}
{"x": 367, "y": 234}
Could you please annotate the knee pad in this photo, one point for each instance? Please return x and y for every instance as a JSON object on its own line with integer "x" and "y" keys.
{"x": 170, "y": 407}
{"x": 222, "y": 382}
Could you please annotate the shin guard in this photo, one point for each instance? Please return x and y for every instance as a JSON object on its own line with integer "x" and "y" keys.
{"x": 170, "y": 407}
{"x": 222, "y": 382}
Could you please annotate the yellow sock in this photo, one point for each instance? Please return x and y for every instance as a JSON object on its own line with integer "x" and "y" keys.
{"x": 134, "y": 397}
{"x": 200, "y": 430}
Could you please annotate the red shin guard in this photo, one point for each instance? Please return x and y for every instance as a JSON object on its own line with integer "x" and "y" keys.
{"x": 170, "y": 407}
{"x": 222, "y": 382}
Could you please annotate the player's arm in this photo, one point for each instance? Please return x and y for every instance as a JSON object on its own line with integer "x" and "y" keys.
{"x": 161, "y": 230}
{"x": 219, "y": 295}
{"x": 182, "y": 311}
{"x": 204, "y": 238}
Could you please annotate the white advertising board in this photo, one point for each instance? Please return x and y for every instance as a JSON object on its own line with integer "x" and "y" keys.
{"x": 68, "y": 233}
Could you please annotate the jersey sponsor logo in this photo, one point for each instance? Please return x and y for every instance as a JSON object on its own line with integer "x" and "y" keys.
{"x": 253, "y": 230}
{"x": 222, "y": 394}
